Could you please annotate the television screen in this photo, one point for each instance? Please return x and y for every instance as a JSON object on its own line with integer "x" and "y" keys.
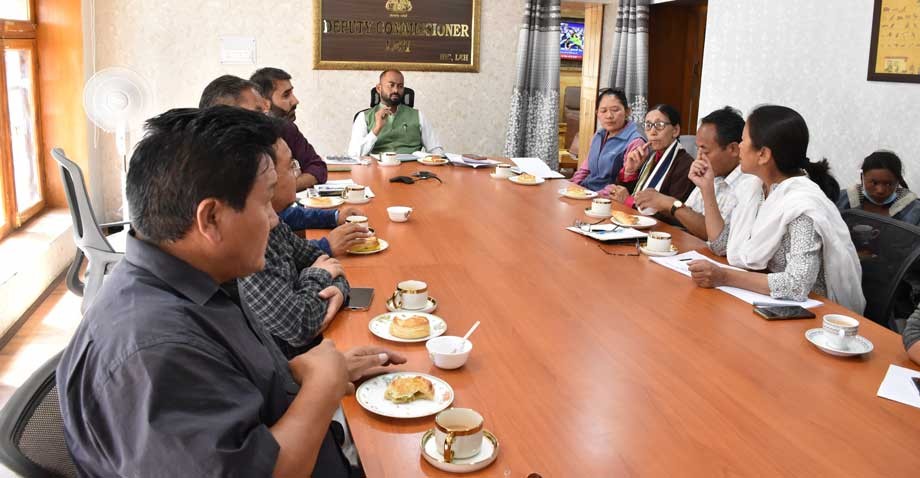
{"x": 572, "y": 40}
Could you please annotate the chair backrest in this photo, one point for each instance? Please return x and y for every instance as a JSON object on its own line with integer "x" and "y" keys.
{"x": 32, "y": 430}
{"x": 888, "y": 249}
{"x": 408, "y": 97}
{"x": 86, "y": 230}
{"x": 688, "y": 142}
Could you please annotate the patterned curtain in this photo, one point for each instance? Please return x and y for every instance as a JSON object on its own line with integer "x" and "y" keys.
{"x": 630, "y": 58}
{"x": 533, "y": 129}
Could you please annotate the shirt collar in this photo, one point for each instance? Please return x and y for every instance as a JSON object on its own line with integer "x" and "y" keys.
{"x": 734, "y": 176}
{"x": 178, "y": 274}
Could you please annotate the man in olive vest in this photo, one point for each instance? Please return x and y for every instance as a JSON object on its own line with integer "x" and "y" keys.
{"x": 391, "y": 126}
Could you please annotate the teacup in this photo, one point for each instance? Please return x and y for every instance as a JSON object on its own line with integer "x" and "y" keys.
{"x": 359, "y": 220}
{"x": 388, "y": 158}
{"x": 600, "y": 206}
{"x": 399, "y": 213}
{"x": 411, "y": 295}
{"x": 659, "y": 242}
{"x": 503, "y": 170}
{"x": 863, "y": 233}
{"x": 355, "y": 192}
{"x": 458, "y": 433}
{"x": 839, "y": 330}
{"x": 441, "y": 351}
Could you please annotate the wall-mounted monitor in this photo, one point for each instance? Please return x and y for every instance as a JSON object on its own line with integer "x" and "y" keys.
{"x": 571, "y": 40}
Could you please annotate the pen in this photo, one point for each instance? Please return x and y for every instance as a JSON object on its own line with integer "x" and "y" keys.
{"x": 686, "y": 259}
{"x": 916, "y": 382}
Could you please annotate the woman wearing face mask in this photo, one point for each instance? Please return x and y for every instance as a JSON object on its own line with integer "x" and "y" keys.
{"x": 882, "y": 190}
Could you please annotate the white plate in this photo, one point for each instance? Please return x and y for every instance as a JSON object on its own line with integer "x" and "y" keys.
{"x": 334, "y": 202}
{"x": 383, "y": 246}
{"x": 590, "y": 213}
{"x": 589, "y": 194}
{"x": 380, "y": 325}
{"x": 370, "y": 396}
{"x": 858, "y": 346}
{"x": 658, "y": 253}
{"x": 436, "y": 162}
{"x": 515, "y": 180}
{"x": 643, "y": 223}
{"x": 429, "y": 307}
{"x": 358, "y": 201}
{"x": 484, "y": 458}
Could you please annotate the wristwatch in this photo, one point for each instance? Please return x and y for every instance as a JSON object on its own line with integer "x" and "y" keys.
{"x": 677, "y": 205}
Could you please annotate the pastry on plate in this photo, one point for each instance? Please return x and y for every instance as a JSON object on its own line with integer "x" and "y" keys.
{"x": 576, "y": 191}
{"x": 369, "y": 244}
{"x": 526, "y": 178}
{"x": 408, "y": 388}
{"x": 623, "y": 218}
{"x": 320, "y": 201}
{"x": 414, "y": 327}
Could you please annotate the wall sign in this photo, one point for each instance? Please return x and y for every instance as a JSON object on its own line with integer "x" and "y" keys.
{"x": 426, "y": 35}
{"x": 894, "y": 54}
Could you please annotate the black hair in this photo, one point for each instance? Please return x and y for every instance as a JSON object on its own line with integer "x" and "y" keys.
{"x": 729, "y": 125}
{"x": 189, "y": 155}
{"x": 885, "y": 160}
{"x": 265, "y": 79}
{"x": 225, "y": 90}
{"x": 669, "y": 111}
{"x": 784, "y": 131}
{"x": 615, "y": 92}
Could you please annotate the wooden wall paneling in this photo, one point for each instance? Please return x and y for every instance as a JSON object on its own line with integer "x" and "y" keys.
{"x": 590, "y": 69}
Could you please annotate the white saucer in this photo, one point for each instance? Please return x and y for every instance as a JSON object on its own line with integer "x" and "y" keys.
{"x": 358, "y": 201}
{"x": 858, "y": 346}
{"x": 429, "y": 307}
{"x": 383, "y": 246}
{"x": 334, "y": 202}
{"x": 643, "y": 222}
{"x": 657, "y": 253}
{"x": 537, "y": 180}
{"x": 495, "y": 176}
{"x": 590, "y": 213}
{"x": 484, "y": 458}
{"x": 440, "y": 162}
{"x": 588, "y": 194}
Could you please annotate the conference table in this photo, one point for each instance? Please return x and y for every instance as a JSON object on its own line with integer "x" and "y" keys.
{"x": 595, "y": 365}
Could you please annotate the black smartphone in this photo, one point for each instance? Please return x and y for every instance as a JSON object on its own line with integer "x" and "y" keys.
{"x": 783, "y": 312}
{"x": 360, "y": 298}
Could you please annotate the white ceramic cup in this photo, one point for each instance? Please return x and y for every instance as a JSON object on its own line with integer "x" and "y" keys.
{"x": 359, "y": 220}
{"x": 839, "y": 330}
{"x": 503, "y": 170}
{"x": 600, "y": 206}
{"x": 659, "y": 242}
{"x": 458, "y": 433}
{"x": 399, "y": 213}
{"x": 411, "y": 295}
{"x": 356, "y": 192}
{"x": 388, "y": 158}
{"x": 441, "y": 351}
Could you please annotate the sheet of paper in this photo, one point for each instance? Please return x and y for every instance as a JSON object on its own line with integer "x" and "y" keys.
{"x": 679, "y": 263}
{"x": 899, "y": 387}
{"x": 609, "y": 232}
{"x": 536, "y": 167}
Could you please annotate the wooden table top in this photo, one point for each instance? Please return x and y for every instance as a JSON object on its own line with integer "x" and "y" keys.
{"x": 590, "y": 365}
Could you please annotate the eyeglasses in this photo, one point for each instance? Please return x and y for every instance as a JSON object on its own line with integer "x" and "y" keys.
{"x": 295, "y": 167}
{"x": 658, "y": 125}
{"x": 627, "y": 254}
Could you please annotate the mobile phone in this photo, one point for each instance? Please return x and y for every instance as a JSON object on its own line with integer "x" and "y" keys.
{"x": 783, "y": 312}
{"x": 360, "y": 298}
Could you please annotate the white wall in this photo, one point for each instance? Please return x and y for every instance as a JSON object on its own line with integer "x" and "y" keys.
{"x": 812, "y": 56}
{"x": 174, "y": 44}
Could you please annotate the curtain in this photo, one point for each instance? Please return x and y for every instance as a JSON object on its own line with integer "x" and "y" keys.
{"x": 630, "y": 57}
{"x": 533, "y": 128}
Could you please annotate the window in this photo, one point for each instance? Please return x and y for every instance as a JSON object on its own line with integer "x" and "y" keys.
{"x": 21, "y": 175}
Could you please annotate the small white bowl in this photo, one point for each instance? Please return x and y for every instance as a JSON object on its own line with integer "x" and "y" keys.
{"x": 439, "y": 351}
{"x": 399, "y": 213}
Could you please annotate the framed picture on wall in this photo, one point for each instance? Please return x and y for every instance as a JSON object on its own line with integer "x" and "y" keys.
{"x": 894, "y": 54}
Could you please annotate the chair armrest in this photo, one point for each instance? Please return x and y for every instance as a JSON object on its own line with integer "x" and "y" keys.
{"x": 113, "y": 224}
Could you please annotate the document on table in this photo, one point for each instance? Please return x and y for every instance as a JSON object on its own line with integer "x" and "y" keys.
{"x": 679, "y": 263}
{"x": 898, "y": 386}
{"x": 609, "y": 232}
{"x": 335, "y": 185}
{"x": 345, "y": 159}
{"x": 536, "y": 167}
{"x": 460, "y": 161}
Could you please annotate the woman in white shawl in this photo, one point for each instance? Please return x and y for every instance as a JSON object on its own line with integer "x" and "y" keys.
{"x": 785, "y": 223}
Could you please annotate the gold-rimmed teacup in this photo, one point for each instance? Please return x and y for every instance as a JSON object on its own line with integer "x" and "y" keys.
{"x": 458, "y": 433}
{"x": 411, "y": 295}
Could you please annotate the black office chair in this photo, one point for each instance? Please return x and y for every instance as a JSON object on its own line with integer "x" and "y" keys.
{"x": 32, "y": 430}
{"x": 889, "y": 252}
{"x": 91, "y": 242}
{"x": 408, "y": 100}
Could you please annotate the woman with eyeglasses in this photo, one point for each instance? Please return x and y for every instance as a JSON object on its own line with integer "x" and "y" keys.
{"x": 784, "y": 223}
{"x": 616, "y": 136}
{"x": 882, "y": 190}
{"x": 659, "y": 165}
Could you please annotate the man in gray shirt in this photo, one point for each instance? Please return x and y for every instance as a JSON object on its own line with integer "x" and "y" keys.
{"x": 168, "y": 374}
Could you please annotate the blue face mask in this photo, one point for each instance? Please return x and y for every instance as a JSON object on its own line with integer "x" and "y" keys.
{"x": 887, "y": 201}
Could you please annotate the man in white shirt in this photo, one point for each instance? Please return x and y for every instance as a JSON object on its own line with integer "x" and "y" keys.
{"x": 391, "y": 126}
{"x": 717, "y": 141}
